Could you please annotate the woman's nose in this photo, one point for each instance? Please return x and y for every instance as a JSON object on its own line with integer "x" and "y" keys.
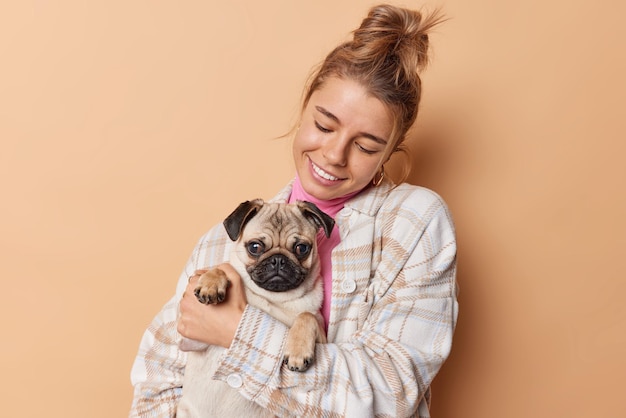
{"x": 336, "y": 151}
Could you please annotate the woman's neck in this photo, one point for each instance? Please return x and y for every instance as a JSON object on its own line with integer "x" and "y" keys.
{"x": 330, "y": 207}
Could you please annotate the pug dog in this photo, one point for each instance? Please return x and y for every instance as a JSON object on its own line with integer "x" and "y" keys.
{"x": 275, "y": 253}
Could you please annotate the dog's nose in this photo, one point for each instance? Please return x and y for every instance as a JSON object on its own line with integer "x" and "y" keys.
{"x": 278, "y": 262}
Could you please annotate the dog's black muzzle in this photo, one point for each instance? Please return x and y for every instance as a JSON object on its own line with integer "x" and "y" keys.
{"x": 278, "y": 273}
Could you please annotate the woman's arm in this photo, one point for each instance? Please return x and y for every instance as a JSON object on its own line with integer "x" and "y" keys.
{"x": 157, "y": 373}
{"x": 158, "y": 369}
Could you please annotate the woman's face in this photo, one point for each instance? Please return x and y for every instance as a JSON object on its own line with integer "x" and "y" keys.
{"x": 342, "y": 139}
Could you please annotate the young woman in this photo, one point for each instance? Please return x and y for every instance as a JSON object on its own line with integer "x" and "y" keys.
{"x": 388, "y": 267}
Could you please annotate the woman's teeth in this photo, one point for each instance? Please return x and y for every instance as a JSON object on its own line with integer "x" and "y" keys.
{"x": 323, "y": 174}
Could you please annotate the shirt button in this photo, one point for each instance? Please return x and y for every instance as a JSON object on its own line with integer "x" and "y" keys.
{"x": 234, "y": 381}
{"x": 348, "y": 285}
{"x": 346, "y": 211}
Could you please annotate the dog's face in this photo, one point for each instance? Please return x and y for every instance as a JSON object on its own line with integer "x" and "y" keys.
{"x": 276, "y": 244}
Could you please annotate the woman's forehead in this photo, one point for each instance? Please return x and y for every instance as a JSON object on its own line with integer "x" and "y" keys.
{"x": 349, "y": 103}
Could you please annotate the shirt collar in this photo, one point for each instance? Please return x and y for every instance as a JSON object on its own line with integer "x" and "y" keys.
{"x": 367, "y": 202}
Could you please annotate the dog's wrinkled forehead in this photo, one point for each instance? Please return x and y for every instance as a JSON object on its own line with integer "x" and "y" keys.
{"x": 282, "y": 217}
{"x": 280, "y": 222}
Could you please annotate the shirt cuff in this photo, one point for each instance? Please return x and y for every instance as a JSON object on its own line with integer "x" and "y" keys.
{"x": 256, "y": 353}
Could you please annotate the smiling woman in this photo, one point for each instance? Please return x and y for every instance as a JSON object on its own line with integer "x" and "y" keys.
{"x": 388, "y": 266}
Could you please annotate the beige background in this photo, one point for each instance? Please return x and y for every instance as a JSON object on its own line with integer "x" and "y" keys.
{"x": 128, "y": 128}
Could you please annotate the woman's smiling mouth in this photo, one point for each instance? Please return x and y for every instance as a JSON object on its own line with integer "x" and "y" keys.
{"x": 323, "y": 174}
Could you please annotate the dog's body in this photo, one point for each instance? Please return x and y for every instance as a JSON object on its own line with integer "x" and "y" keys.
{"x": 276, "y": 257}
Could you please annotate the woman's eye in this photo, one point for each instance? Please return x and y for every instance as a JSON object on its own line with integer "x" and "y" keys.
{"x": 255, "y": 248}
{"x": 321, "y": 128}
{"x": 365, "y": 150}
{"x": 301, "y": 250}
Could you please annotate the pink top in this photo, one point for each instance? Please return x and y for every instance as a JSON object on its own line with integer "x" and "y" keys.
{"x": 324, "y": 245}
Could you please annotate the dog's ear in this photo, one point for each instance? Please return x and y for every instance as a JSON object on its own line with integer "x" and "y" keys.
{"x": 319, "y": 218}
{"x": 235, "y": 222}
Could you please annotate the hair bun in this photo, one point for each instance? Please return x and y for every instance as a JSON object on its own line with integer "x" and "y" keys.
{"x": 393, "y": 31}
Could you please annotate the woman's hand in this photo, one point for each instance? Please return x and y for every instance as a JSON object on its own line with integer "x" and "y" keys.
{"x": 212, "y": 324}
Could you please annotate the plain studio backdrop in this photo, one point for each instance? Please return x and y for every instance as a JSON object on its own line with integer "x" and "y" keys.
{"x": 129, "y": 128}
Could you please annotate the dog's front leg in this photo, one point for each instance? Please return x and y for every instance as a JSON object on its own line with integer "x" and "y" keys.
{"x": 300, "y": 345}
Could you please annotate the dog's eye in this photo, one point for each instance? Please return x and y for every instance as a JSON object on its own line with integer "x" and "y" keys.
{"x": 256, "y": 248}
{"x": 301, "y": 250}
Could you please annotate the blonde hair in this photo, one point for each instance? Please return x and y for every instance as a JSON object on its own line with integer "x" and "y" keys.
{"x": 385, "y": 56}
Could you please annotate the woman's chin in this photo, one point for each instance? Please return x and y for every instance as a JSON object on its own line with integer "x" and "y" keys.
{"x": 323, "y": 190}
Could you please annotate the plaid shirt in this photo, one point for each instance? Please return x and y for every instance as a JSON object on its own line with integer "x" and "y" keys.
{"x": 393, "y": 314}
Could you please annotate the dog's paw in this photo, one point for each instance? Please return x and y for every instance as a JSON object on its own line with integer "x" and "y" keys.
{"x": 298, "y": 364}
{"x": 299, "y": 352}
{"x": 212, "y": 287}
